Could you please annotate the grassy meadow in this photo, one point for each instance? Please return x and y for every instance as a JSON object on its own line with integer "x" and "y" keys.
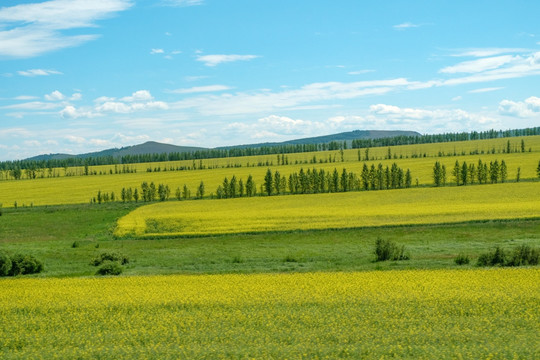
{"x": 291, "y": 276}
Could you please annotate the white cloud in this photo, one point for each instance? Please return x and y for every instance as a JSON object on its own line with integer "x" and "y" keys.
{"x": 26, "y": 97}
{"x": 265, "y": 101}
{"x": 274, "y": 127}
{"x": 38, "y": 72}
{"x": 457, "y": 98}
{"x": 140, "y": 95}
{"x": 156, "y": 51}
{"x": 213, "y": 60}
{"x": 76, "y": 97}
{"x": 406, "y": 25}
{"x": 71, "y": 112}
{"x": 103, "y": 99}
{"x": 201, "y": 89}
{"x": 360, "y": 72}
{"x": 420, "y": 119}
{"x": 33, "y": 105}
{"x": 475, "y": 66}
{"x": 123, "y": 108}
{"x": 483, "y": 90}
{"x": 55, "y": 96}
{"x": 182, "y": 3}
{"x": 484, "y": 52}
{"x": 523, "y": 109}
{"x": 36, "y": 28}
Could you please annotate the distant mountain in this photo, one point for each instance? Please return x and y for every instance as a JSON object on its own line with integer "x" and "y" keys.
{"x": 344, "y": 136}
{"x": 152, "y": 147}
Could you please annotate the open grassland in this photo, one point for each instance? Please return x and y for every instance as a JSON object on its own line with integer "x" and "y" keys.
{"x": 81, "y": 189}
{"x": 441, "y": 314}
{"x": 49, "y": 233}
{"x": 334, "y": 211}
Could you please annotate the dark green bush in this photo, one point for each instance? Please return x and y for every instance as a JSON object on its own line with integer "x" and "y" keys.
{"x": 110, "y": 256}
{"x": 75, "y": 244}
{"x": 5, "y": 264}
{"x": 462, "y": 259}
{"x": 24, "y": 264}
{"x": 389, "y": 250}
{"x": 524, "y": 255}
{"x": 110, "y": 268}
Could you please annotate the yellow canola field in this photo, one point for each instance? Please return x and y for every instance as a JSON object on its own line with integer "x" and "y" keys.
{"x": 338, "y": 210}
{"x": 419, "y": 314}
{"x": 81, "y": 189}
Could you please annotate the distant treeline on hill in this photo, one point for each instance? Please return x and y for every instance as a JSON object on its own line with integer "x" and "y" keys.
{"x": 264, "y": 150}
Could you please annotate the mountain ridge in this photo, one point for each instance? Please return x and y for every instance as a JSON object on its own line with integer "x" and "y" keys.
{"x": 153, "y": 147}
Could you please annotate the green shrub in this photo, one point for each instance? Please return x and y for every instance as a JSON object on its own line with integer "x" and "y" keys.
{"x": 389, "y": 250}
{"x": 110, "y": 256}
{"x": 524, "y": 255}
{"x": 5, "y": 264}
{"x": 462, "y": 259}
{"x": 24, "y": 264}
{"x": 75, "y": 244}
{"x": 110, "y": 268}
{"x": 496, "y": 257}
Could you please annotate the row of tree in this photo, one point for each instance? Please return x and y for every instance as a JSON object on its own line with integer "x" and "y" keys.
{"x": 446, "y": 137}
{"x": 464, "y": 174}
{"x": 262, "y": 150}
{"x": 313, "y": 181}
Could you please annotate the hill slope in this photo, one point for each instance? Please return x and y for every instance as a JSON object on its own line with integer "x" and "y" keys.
{"x": 152, "y": 147}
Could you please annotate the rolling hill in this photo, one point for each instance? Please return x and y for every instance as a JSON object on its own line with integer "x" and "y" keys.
{"x": 152, "y": 147}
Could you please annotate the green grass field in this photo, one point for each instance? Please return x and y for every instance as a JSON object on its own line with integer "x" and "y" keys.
{"x": 54, "y": 229}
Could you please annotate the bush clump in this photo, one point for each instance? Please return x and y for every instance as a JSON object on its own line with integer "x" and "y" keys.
{"x": 19, "y": 264}
{"x": 110, "y": 268}
{"x": 462, "y": 259}
{"x": 522, "y": 255}
{"x": 5, "y": 264}
{"x": 389, "y": 250}
{"x": 110, "y": 256}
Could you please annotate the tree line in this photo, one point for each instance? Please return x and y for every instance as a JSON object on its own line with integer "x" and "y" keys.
{"x": 445, "y": 137}
{"x": 262, "y": 150}
{"x": 468, "y": 174}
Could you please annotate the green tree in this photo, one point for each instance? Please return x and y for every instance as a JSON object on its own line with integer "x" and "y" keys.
{"x": 538, "y": 170}
{"x": 250, "y": 186}
{"x": 464, "y": 173}
{"x": 364, "y": 176}
{"x": 408, "y": 179}
{"x": 503, "y": 171}
{"x": 472, "y": 173}
{"x": 456, "y": 172}
{"x": 268, "y": 182}
{"x": 437, "y": 174}
{"x": 277, "y": 182}
{"x": 200, "y": 190}
{"x": 186, "y": 193}
{"x": 494, "y": 171}
{"x": 233, "y": 187}
{"x": 344, "y": 181}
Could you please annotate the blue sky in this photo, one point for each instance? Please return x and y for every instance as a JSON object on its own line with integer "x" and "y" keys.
{"x": 79, "y": 76}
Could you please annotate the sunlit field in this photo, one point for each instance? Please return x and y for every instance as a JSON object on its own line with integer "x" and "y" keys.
{"x": 78, "y": 189}
{"x": 444, "y": 314}
{"x": 341, "y": 210}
